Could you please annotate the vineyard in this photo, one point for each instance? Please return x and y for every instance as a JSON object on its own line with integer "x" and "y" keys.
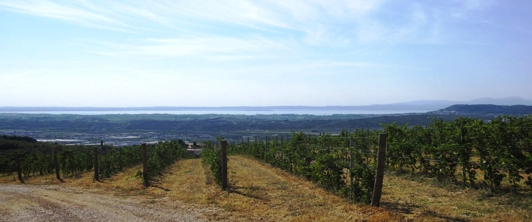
{"x": 345, "y": 164}
{"x": 69, "y": 161}
{"x": 495, "y": 155}
{"x": 465, "y": 148}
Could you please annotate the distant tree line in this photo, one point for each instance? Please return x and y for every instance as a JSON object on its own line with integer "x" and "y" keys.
{"x": 19, "y": 138}
{"x": 16, "y": 142}
{"x": 490, "y": 109}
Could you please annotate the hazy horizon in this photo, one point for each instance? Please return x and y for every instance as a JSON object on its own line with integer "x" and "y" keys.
{"x": 420, "y": 104}
{"x": 262, "y": 53}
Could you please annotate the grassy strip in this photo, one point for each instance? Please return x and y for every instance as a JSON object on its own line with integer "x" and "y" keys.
{"x": 422, "y": 198}
{"x": 261, "y": 192}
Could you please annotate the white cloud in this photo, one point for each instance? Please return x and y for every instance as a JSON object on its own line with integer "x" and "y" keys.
{"x": 67, "y": 11}
{"x": 252, "y": 45}
{"x": 320, "y": 22}
{"x": 215, "y": 48}
{"x": 311, "y": 18}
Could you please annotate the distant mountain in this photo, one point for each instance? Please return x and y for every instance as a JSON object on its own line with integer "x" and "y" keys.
{"x": 508, "y": 101}
{"x": 427, "y": 103}
{"x": 480, "y": 109}
{"x": 432, "y": 105}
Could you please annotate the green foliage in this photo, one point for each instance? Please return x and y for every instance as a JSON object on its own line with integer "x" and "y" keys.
{"x": 35, "y": 162}
{"x": 114, "y": 159}
{"x": 75, "y": 160}
{"x": 500, "y": 149}
{"x": 327, "y": 170}
{"x": 18, "y": 138}
{"x": 79, "y": 159}
{"x": 163, "y": 155}
{"x": 39, "y": 161}
{"x": 212, "y": 157}
{"x": 345, "y": 163}
{"x": 328, "y": 160}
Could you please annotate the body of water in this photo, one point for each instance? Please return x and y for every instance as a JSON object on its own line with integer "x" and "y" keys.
{"x": 321, "y": 112}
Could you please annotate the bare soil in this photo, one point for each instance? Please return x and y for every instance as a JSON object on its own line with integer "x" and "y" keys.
{"x": 62, "y": 203}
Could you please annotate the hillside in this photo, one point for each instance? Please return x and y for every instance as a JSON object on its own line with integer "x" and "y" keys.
{"x": 487, "y": 109}
{"x": 258, "y": 193}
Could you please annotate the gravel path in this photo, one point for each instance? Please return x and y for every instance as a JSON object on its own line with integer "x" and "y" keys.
{"x": 60, "y": 203}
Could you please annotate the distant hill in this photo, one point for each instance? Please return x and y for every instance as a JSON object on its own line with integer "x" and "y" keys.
{"x": 486, "y": 110}
{"x": 507, "y": 101}
{"x": 431, "y": 105}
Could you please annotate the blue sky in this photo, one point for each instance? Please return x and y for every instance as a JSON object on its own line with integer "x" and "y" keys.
{"x": 262, "y": 53}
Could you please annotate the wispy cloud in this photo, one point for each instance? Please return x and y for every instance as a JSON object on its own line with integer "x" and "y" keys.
{"x": 259, "y": 30}
{"x": 66, "y": 11}
{"x": 307, "y": 17}
{"x": 213, "y": 48}
{"x": 323, "y": 47}
{"x": 200, "y": 27}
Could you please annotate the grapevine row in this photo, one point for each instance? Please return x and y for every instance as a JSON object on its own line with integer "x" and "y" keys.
{"x": 345, "y": 163}
{"x": 498, "y": 149}
{"x": 80, "y": 159}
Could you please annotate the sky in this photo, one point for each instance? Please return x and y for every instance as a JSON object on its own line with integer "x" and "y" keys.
{"x": 83, "y": 53}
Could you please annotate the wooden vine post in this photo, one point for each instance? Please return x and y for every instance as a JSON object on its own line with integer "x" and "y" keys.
{"x": 377, "y": 190}
{"x": 265, "y": 148}
{"x": 19, "y": 169}
{"x": 282, "y": 148}
{"x": 56, "y": 164}
{"x": 247, "y": 146}
{"x": 347, "y": 144}
{"x": 351, "y": 165}
{"x": 306, "y": 142}
{"x": 224, "y": 164}
{"x": 96, "y": 171}
{"x": 144, "y": 165}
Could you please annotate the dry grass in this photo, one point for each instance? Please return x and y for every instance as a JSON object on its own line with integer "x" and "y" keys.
{"x": 260, "y": 192}
{"x": 122, "y": 181}
{"x": 257, "y": 192}
{"x": 47, "y": 179}
{"x": 422, "y": 198}
{"x": 184, "y": 180}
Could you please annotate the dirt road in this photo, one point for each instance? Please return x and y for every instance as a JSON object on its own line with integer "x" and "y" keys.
{"x": 60, "y": 203}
